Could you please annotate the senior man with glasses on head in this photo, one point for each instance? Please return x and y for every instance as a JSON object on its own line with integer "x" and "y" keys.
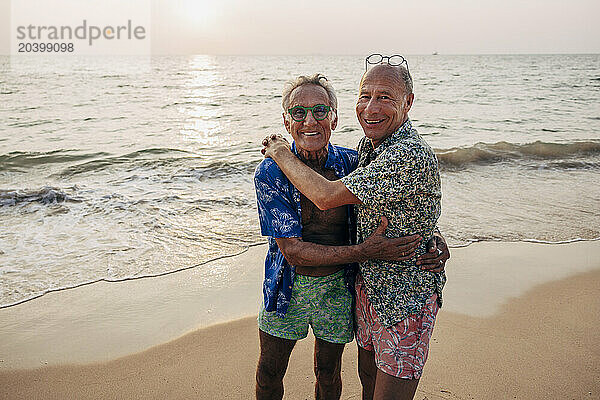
{"x": 309, "y": 275}
{"x": 397, "y": 176}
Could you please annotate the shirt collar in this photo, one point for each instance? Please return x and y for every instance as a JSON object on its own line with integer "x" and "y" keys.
{"x": 333, "y": 158}
{"x": 405, "y": 131}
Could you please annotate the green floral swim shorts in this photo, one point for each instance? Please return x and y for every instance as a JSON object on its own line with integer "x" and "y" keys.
{"x": 323, "y": 302}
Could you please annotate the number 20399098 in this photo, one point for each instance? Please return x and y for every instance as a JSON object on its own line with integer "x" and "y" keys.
{"x": 45, "y": 47}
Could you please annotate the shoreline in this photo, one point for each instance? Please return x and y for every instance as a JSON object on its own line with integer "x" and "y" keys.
{"x": 135, "y": 278}
{"x": 537, "y": 347}
{"x": 520, "y": 320}
{"x": 104, "y": 321}
{"x": 175, "y": 271}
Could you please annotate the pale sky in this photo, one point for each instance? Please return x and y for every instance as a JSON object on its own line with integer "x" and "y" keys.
{"x": 365, "y": 26}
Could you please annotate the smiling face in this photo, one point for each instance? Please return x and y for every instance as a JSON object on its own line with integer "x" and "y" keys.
{"x": 383, "y": 104}
{"x": 310, "y": 135}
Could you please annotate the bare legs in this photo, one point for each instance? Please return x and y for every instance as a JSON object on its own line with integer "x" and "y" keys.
{"x": 378, "y": 385}
{"x": 328, "y": 369}
{"x": 367, "y": 372}
{"x": 273, "y": 361}
{"x": 272, "y": 364}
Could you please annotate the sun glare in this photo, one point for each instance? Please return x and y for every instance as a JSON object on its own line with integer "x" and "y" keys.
{"x": 201, "y": 14}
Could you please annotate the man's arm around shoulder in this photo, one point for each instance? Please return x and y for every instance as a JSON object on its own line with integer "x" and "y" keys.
{"x": 325, "y": 194}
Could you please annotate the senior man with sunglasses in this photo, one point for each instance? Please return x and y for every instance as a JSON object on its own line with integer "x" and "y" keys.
{"x": 397, "y": 176}
{"x": 309, "y": 275}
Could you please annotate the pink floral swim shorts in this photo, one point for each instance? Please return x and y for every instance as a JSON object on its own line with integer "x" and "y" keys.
{"x": 400, "y": 350}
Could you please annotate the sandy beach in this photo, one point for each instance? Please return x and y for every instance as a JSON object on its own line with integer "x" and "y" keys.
{"x": 520, "y": 322}
{"x": 132, "y": 255}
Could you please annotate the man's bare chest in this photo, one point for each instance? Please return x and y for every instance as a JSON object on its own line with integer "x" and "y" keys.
{"x": 326, "y": 227}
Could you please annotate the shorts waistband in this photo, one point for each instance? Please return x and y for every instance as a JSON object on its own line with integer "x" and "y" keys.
{"x": 320, "y": 279}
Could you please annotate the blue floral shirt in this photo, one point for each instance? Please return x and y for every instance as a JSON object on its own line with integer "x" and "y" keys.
{"x": 280, "y": 217}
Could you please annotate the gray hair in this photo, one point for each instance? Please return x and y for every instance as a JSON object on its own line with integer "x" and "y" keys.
{"x": 316, "y": 79}
{"x": 406, "y": 78}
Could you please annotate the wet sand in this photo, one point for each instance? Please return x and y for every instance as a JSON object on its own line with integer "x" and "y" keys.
{"x": 520, "y": 321}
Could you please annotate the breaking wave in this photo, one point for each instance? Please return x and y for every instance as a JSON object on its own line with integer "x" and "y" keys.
{"x": 492, "y": 153}
{"x": 22, "y": 161}
{"x": 45, "y": 195}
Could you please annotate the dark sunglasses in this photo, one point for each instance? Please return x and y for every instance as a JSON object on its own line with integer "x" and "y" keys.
{"x": 393, "y": 60}
{"x": 319, "y": 112}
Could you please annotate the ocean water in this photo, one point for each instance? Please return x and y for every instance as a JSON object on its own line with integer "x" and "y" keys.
{"x": 127, "y": 174}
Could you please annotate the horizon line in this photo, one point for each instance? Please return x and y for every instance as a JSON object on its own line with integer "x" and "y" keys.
{"x": 328, "y": 54}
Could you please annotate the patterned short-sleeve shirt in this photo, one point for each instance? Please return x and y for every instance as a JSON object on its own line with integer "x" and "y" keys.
{"x": 399, "y": 179}
{"x": 280, "y": 216}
